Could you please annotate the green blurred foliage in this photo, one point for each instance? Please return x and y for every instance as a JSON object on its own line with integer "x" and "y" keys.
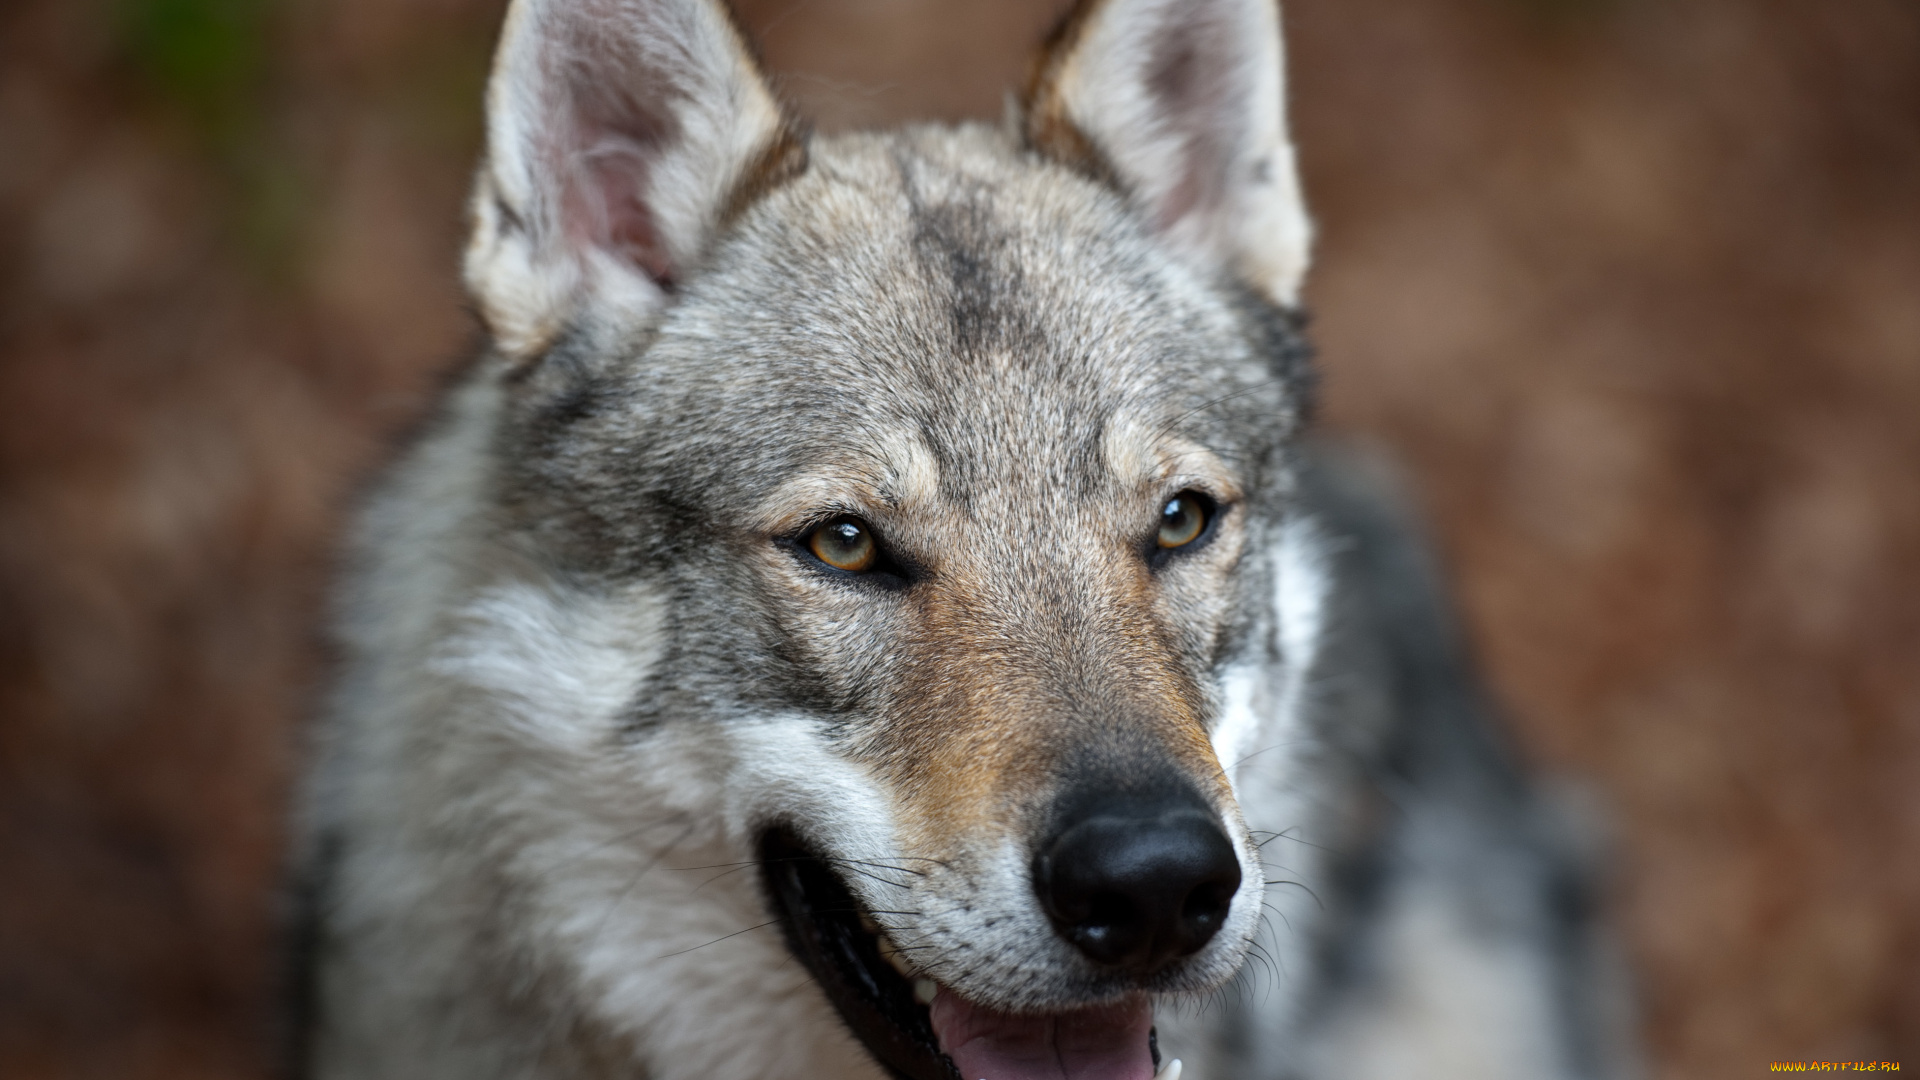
{"x": 207, "y": 63}
{"x": 205, "y": 56}
{"x": 215, "y": 70}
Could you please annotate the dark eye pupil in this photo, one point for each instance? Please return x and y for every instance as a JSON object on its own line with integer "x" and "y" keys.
{"x": 845, "y": 535}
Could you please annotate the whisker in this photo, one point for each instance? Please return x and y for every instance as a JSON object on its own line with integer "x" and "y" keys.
{"x": 627, "y": 889}
{"x": 1275, "y": 969}
{"x": 1167, "y": 428}
{"x": 715, "y": 866}
{"x": 1281, "y": 914}
{"x": 1302, "y": 886}
{"x": 722, "y": 874}
{"x": 1250, "y": 755}
{"x": 888, "y": 866}
{"x": 718, "y": 940}
{"x": 618, "y": 838}
{"x": 1283, "y": 834}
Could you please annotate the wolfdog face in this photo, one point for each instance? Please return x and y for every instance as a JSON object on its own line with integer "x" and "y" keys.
{"x": 945, "y": 465}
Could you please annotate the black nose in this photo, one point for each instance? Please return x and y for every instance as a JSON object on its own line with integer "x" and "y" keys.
{"x": 1138, "y": 887}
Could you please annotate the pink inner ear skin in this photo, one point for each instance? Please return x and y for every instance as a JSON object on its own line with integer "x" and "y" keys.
{"x": 616, "y": 121}
{"x": 606, "y": 207}
{"x": 1196, "y": 91}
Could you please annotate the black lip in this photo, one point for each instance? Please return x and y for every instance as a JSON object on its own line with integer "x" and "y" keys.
{"x": 821, "y": 921}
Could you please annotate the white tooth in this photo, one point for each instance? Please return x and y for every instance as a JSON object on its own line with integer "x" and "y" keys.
{"x": 1169, "y": 1071}
{"x": 924, "y": 989}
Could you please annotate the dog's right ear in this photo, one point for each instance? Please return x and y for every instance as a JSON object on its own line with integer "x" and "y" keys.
{"x": 621, "y": 134}
{"x": 1180, "y": 105}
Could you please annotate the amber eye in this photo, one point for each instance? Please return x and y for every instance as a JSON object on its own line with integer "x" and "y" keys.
{"x": 1183, "y": 519}
{"x": 844, "y": 544}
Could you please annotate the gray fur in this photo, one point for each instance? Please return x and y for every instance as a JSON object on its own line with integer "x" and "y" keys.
{"x": 1425, "y": 806}
{"x": 586, "y": 661}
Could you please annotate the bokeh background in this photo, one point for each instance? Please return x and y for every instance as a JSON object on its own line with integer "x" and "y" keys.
{"x": 1630, "y": 289}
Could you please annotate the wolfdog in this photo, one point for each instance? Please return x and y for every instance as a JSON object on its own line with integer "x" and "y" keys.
{"x": 871, "y": 611}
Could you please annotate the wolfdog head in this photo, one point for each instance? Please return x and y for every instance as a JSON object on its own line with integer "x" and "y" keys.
{"x": 923, "y": 486}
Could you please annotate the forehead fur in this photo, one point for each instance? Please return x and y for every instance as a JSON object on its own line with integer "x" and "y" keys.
{"x": 939, "y": 307}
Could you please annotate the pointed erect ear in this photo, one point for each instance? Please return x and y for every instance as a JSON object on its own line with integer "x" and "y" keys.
{"x": 621, "y": 134}
{"x": 1179, "y": 103}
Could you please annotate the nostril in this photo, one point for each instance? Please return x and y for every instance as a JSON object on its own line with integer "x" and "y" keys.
{"x": 1208, "y": 901}
{"x": 1205, "y": 909}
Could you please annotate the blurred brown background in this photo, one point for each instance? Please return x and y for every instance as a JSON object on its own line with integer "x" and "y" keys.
{"x": 1632, "y": 289}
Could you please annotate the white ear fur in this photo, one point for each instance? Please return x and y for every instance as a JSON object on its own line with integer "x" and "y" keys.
{"x": 1181, "y": 102}
{"x": 618, "y": 132}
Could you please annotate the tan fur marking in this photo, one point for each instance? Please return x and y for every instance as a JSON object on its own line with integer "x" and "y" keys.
{"x": 913, "y": 476}
{"x": 1139, "y": 455}
{"x": 1128, "y": 446}
{"x": 784, "y": 157}
{"x": 901, "y": 476}
{"x": 1047, "y": 128}
{"x": 1190, "y": 462}
{"x": 989, "y": 708}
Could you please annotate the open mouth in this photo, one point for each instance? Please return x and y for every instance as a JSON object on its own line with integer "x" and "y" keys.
{"x": 919, "y": 1030}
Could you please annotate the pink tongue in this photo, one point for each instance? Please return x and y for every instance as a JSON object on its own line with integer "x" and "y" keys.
{"x": 1108, "y": 1043}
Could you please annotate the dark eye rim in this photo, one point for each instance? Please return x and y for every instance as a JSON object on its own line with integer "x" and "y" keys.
{"x": 1214, "y": 510}
{"x": 888, "y": 570}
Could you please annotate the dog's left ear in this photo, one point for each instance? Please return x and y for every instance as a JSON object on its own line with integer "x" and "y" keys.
{"x": 1180, "y": 104}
